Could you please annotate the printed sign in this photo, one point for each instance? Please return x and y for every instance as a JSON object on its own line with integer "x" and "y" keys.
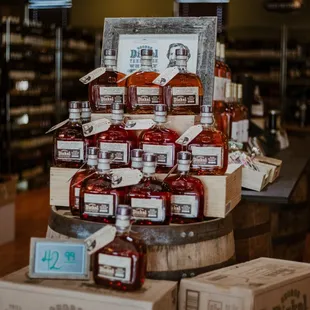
{"x": 58, "y": 259}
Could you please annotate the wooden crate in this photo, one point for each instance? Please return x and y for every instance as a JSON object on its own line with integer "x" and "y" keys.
{"x": 178, "y": 123}
{"x": 270, "y": 163}
{"x": 222, "y": 193}
{"x": 7, "y": 209}
{"x": 255, "y": 180}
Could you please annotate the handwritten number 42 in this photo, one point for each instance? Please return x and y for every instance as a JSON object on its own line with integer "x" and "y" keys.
{"x": 51, "y": 258}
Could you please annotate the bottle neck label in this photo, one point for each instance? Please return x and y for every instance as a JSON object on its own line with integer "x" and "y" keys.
{"x": 74, "y": 116}
{"x": 146, "y": 64}
{"x": 182, "y": 64}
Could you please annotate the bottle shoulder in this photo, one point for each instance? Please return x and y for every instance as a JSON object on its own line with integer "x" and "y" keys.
{"x": 185, "y": 79}
{"x": 143, "y": 78}
{"x": 158, "y": 132}
{"x": 150, "y": 184}
{"x": 117, "y": 132}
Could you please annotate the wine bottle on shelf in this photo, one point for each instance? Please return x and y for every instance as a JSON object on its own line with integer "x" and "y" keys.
{"x": 143, "y": 95}
{"x": 79, "y": 177}
{"x": 244, "y": 136}
{"x": 187, "y": 200}
{"x": 121, "y": 264}
{"x": 105, "y": 90}
{"x": 151, "y": 198}
{"x": 69, "y": 143}
{"x": 98, "y": 200}
{"x": 210, "y": 148}
{"x": 224, "y": 64}
{"x": 160, "y": 140}
{"x": 183, "y": 94}
{"x": 117, "y": 140}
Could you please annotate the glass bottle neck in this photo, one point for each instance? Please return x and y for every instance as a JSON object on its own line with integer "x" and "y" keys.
{"x": 182, "y": 65}
{"x": 110, "y": 64}
{"x": 74, "y": 117}
{"x": 146, "y": 64}
{"x": 148, "y": 171}
{"x": 207, "y": 121}
{"x": 160, "y": 120}
{"x": 122, "y": 226}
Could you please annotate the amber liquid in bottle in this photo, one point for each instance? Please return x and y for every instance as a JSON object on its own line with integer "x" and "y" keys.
{"x": 121, "y": 264}
{"x": 143, "y": 95}
{"x": 184, "y": 93}
{"x": 98, "y": 200}
{"x": 210, "y": 148}
{"x": 160, "y": 141}
{"x": 79, "y": 177}
{"x": 69, "y": 143}
{"x": 117, "y": 140}
{"x": 187, "y": 200}
{"x": 150, "y": 199}
{"x": 105, "y": 90}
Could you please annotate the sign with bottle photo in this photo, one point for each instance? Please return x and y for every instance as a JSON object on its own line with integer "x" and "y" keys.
{"x": 163, "y": 46}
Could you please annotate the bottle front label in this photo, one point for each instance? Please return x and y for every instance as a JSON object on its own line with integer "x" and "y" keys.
{"x": 109, "y": 95}
{"x": 77, "y": 197}
{"x": 70, "y": 150}
{"x": 219, "y": 88}
{"x": 235, "y": 131}
{"x": 182, "y": 96}
{"x": 207, "y": 156}
{"x": 148, "y": 209}
{"x": 147, "y": 95}
{"x": 114, "y": 267}
{"x": 185, "y": 206}
{"x": 119, "y": 151}
{"x": 165, "y": 153}
{"x": 98, "y": 204}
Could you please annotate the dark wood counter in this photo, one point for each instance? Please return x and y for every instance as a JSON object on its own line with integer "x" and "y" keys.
{"x": 295, "y": 161}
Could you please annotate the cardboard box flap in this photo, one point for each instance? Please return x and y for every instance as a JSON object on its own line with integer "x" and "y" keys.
{"x": 151, "y": 292}
{"x": 269, "y": 160}
{"x": 256, "y": 274}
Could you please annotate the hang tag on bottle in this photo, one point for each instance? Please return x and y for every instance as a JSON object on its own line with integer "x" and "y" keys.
{"x": 96, "y": 126}
{"x": 100, "y": 238}
{"x": 189, "y": 135}
{"x": 139, "y": 124}
{"x": 166, "y": 76}
{"x": 89, "y": 77}
{"x": 125, "y": 177}
{"x": 128, "y": 75}
{"x": 58, "y": 126}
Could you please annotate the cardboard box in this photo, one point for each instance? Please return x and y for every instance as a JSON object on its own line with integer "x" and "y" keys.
{"x": 178, "y": 123}
{"x": 17, "y": 291}
{"x": 7, "y": 209}
{"x": 261, "y": 284}
{"x": 271, "y": 163}
{"x": 222, "y": 193}
{"x": 256, "y": 180}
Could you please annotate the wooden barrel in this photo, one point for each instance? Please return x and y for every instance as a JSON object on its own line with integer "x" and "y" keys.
{"x": 290, "y": 224}
{"x": 174, "y": 251}
{"x": 251, "y": 223}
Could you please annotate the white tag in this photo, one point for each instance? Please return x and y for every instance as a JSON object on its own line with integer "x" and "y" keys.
{"x": 89, "y": 77}
{"x": 100, "y": 238}
{"x": 139, "y": 124}
{"x": 166, "y": 76}
{"x": 128, "y": 75}
{"x": 95, "y": 127}
{"x": 125, "y": 177}
{"x": 58, "y": 126}
{"x": 189, "y": 135}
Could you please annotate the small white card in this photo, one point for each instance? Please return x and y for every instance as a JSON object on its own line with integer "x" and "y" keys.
{"x": 89, "y": 77}
{"x": 58, "y": 126}
{"x": 125, "y": 177}
{"x": 139, "y": 124}
{"x": 128, "y": 75}
{"x": 166, "y": 76}
{"x": 95, "y": 127}
{"x": 100, "y": 238}
{"x": 189, "y": 135}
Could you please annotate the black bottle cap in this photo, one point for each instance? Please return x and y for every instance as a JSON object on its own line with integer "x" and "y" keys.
{"x": 124, "y": 210}
{"x": 92, "y": 151}
{"x": 181, "y": 52}
{"x": 184, "y": 155}
{"x": 160, "y": 108}
{"x": 104, "y": 155}
{"x": 206, "y": 109}
{"x": 146, "y": 52}
{"x": 117, "y": 106}
{"x": 85, "y": 105}
{"x": 136, "y": 153}
{"x": 149, "y": 157}
{"x": 74, "y": 105}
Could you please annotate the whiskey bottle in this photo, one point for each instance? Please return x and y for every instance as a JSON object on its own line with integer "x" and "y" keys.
{"x": 79, "y": 177}
{"x": 210, "y": 148}
{"x": 224, "y": 64}
{"x": 69, "y": 143}
{"x": 142, "y": 93}
{"x": 105, "y": 90}
{"x": 121, "y": 264}
{"x": 136, "y": 159}
{"x": 244, "y": 137}
{"x": 187, "y": 200}
{"x": 117, "y": 140}
{"x": 235, "y": 112}
{"x": 160, "y": 140}
{"x": 98, "y": 200}
{"x": 184, "y": 93}
{"x": 150, "y": 199}
{"x": 86, "y": 118}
